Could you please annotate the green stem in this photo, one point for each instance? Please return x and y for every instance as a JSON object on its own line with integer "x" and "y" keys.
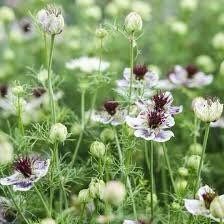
{"x": 168, "y": 165}
{"x": 221, "y": 222}
{"x": 152, "y": 180}
{"x": 17, "y": 206}
{"x": 43, "y": 201}
{"x": 45, "y": 48}
{"x": 83, "y": 127}
{"x": 19, "y": 111}
{"x": 50, "y": 88}
{"x": 202, "y": 157}
{"x": 131, "y": 70}
{"x": 123, "y": 170}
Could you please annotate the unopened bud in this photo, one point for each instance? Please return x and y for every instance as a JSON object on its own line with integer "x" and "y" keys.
{"x": 84, "y": 196}
{"x": 217, "y": 207}
{"x": 133, "y": 22}
{"x": 97, "y": 149}
{"x": 193, "y": 162}
{"x": 107, "y": 135}
{"x": 101, "y": 33}
{"x": 183, "y": 172}
{"x": 58, "y": 133}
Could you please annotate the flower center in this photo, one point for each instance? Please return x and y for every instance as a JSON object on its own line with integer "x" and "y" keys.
{"x": 160, "y": 100}
{"x": 38, "y": 92}
{"x": 191, "y": 70}
{"x": 111, "y": 106}
{"x": 140, "y": 71}
{"x": 24, "y": 166}
{"x": 3, "y": 90}
{"x": 26, "y": 27}
{"x": 155, "y": 118}
{"x": 208, "y": 198}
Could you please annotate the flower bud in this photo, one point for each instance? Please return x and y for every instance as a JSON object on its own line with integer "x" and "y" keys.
{"x": 217, "y": 207}
{"x": 207, "y": 110}
{"x": 6, "y": 152}
{"x": 206, "y": 63}
{"x": 42, "y": 76}
{"x": 193, "y": 162}
{"x": 133, "y": 22}
{"x": 180, "y": 185}
{"x": 96, "y": 188}
{"x": 183, "y": 172}
{"x": 50, "y": 20}
{"x": 195, "y": 149}
{"x": 97, "y": 149}
{"x": 58, "y": 133}
{"x": 218, "y": 41}
{"x": 48, "y": 221}
{"x": 107, "y": 135}
{"x": 6, "y": 14}
{"x": 175, "y": 206}
{"x": 84, "y": 196}
{"x": 114, "y": 192}
{"x": 101, "y": 33}
{"x": 18, "y": 90}
{"x": 148, "y": 199}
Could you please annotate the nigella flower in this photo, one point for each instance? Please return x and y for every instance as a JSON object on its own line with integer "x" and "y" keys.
{"x": 111, "y": 114}
{"x": 87, "y": 64}
{"x": 27, "y": 171}
{"x": 204, "y": 204}
{"x": 152, "y": 125}
{"x": 142, "y": 77}
{"x": 189, "y": 77}
{"x": 162, "y": 101}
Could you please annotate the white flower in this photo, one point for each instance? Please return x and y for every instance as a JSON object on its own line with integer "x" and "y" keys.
{"x": 112, "y": 114}
{"x": 189, "y": 77}
{"x": 202, "y": 205}
{"x": 133, "y": 22}
{"x": 162, "y": 101}
{"x": 152, "y": 125}
{"x": 87, "y": 64}
{"x": 28, "y": 170}
{"x": 207, "y": 110}
{"x": 50, "y": 20}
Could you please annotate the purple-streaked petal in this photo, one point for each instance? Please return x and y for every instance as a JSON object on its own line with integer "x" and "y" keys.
{"x": 122, "y": 83}
{"x": 13, "y": 179}
{"x": 102, "y": 117}
{"x": 23, "y": 185}
{"x": 179, "y": 76}
{"x": 196, "y": 207}
{"x": 165, "y": 84}
{"x": 163, "y": 136}
{"x": 200, "y": 80}
{"x": 40, "y": 167}
{"x": 145, "y": 134}
{"x": 151, "y": 79}
{"x": 218, "y": 124}
{"x": 175, "y": 110}
{"x": 127, "y": 74}
{"x": 169, "y": 122}
{"x": 134, "y": 122}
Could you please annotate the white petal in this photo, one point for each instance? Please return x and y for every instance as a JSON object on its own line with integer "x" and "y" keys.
{"x": 175, "y": 110}
{"x": 23, "y": 185}
{"x": 127, "y": 73}
{"x": 102, "y": 117}
{"x": 163, "y": 136}
{"x": 165, "y": 84}
{"x": 122, "y": 83}
{"x": 218, "y": 124}
{"x": 203, "y": 190}
{"x": 151, "y": 79}
{"x": 134, "y": 122}
{"x": 40, "y": 167}
{"x": 10, "y": 180}
{"x": 130, "y": 222}
{"x": 145, "y": 134}
{"x": 196, "y": 207}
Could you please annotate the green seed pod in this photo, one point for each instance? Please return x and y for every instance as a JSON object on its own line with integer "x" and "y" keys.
{"x": 195, "y": 149}
{"x": 107, "y": 135}
{"x": 97, "y": 149}
{"x": 193, "y": 162}
{"x": 217, "y": 207}
{"x": 180, "y": 185}
{"x": 183, "y": 172}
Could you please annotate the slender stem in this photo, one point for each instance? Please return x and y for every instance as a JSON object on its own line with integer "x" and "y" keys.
{"x": 19, "y": 111}
{"x": 124, "y": 172}
{"x": 45, "y": 48}
{"x": 164, "y": 180}
{"x": 202, "y": 157}
{"x": 17, "y": 206}
{"x": 152, "y": 179}
{"x": 168, "y": 165}
{"x": 221, "y": 221}
{"x": 83, "y": 127}
{"x": 50, "y": 88}
{"x": 43, "y": 201}
{"x": 131, "y": 69}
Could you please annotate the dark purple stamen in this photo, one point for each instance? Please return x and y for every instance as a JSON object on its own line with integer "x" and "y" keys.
{"x": 3, "y": 90}
{"x": 160, "y": 100}
{"x": 26, "y": 27}
{"x": 38, "y": 92}
{"x": 140, "y": 71}
{"x": 208, "y": 198}
{"x": 24, "y": 166}
{"x": 111, "y": 106}
{"x": 191, "y": 70}
{"x": 155, "y": 118}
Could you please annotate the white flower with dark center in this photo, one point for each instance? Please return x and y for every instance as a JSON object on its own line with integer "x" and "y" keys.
{"x": 152, "y": 125}
{"x": 162, "y": 101}
{"x": 207, "y": 109}
{"x": 27, "y": 171}
{"x": 87, "y": 64}
{"x": 142, "y": 77}
{"x": 111, "y": 114}
{"x": 51, "y": 20}
{"x": 203, "y": 203}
